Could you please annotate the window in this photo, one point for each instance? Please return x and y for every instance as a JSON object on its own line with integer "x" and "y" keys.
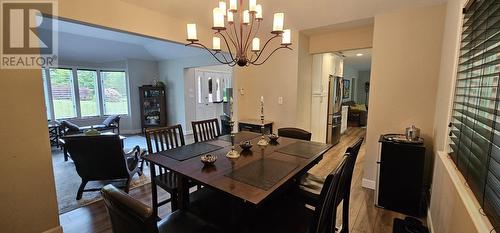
{"x": 71, "y": 92}
{"x": 63, "y": 95}
{"x": 475, "y": 123}
{"x": 114, "y": 84}
{"x": 87, "y": 89}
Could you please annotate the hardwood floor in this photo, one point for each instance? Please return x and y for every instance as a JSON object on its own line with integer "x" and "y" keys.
{"x": 364, "y": 216}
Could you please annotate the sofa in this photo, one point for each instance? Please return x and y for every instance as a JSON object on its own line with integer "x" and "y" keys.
{"x": 358, "y": 113}
{"x": 109, "y": 123}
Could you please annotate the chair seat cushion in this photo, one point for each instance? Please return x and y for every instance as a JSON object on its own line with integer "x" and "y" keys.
{"x": 96, "y": 127}
{"x": 184, "y": 222}
{"x": 310, "y": 188}
{"x": 72, "y": 127}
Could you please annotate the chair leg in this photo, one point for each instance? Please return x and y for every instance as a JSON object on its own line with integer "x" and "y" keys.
{"x": 345, "y": 215}
{"x": 127, "y": 185}
{"x": 174, "y": 198}
{"x": 80, "y": 190}
{"x": 141, "y": 167}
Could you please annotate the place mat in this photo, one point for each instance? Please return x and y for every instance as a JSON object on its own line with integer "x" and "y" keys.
{"x": 189, "y": 151}
{"x": 239, "y": 137}
{"x": 264, "y": 173}
{"x": 303, "y": 149}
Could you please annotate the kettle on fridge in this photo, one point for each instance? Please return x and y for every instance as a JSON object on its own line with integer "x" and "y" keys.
{"x": 412, "y": 133}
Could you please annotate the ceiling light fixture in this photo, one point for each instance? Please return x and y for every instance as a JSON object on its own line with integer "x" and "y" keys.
{"x": 237, "y": 36}
{"x": 359, "y": 54}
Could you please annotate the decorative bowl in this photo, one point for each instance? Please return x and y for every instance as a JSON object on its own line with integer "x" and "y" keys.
{"x": 246, "y": 145}
{"x": 208, "y": 159}
{"x": 273, "y": 137}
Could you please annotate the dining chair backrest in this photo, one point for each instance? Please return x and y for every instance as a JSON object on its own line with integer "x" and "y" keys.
{"x": 164, "y": 138}
{"x": 97, "y": 157}
{"x": 352, "y": 155}
{"x": 206, "y": 130}
{"x": 321, "y": 222}
{"x": 294, "y": 133}
{"x": 127, "y": 214}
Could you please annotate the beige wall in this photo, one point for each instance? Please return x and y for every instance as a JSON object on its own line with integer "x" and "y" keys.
{"x": 404, "y": 76}
{"x": 277, "y": 77}
{"x": 130, "y": 17}
{"x": 304, "y": 89}
{"x": 340, "y": 40}
{"x": 28, "y": 192}
{"x": 453, "y": 207}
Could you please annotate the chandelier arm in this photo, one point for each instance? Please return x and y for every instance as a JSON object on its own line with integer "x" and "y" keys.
{"x": 231, "y": 39}
{"x": 268, "y": 56}
{"x": 245, "y": 48}
{"x": 237, "y": 38}
{"x": 195, "y": 44}
{"x": 255, "y": 34}
{"x": 263, "y": 48}
{"x": 228, "y": 47}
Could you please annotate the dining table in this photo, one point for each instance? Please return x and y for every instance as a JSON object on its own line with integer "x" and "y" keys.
{"x": 252, "y": 178}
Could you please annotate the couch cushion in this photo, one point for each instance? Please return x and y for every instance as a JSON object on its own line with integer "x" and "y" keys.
{"x": 72, "y": 127}
{"x": 110, "y": 120}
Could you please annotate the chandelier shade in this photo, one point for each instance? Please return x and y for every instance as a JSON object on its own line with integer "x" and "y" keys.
{"x": 237, "y": 29}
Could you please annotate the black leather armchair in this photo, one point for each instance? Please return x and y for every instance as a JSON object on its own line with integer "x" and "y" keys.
{"x": 129, "y": 215}
{"x": 101, "y": 157}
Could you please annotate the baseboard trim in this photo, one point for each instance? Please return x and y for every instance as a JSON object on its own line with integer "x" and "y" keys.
{"x": 130, "y": 131}
{"x": 57, "y": 229}
{"x": 429, "y": 221}
{"x": 369, "y": 184}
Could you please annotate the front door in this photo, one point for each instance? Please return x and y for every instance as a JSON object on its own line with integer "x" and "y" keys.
{"x": 205, "y": 95}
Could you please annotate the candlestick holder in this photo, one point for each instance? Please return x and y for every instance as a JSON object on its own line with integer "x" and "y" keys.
{"x": 232, "y": 154}
{"x": 262, "y": 141}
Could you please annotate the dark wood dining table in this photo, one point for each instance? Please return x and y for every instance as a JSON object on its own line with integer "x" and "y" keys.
{"x": 231, "y": 176}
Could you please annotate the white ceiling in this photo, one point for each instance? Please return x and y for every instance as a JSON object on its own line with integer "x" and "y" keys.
{"x": 361, "y": 63}
{"x": 299, "y": 14}
{"x": 84, "y": 43}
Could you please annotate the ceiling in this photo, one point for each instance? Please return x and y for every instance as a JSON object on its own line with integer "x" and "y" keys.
{"x": 360, "y": 63}
{"x": 299, "y": 14}
{"x": 84, "y": 43}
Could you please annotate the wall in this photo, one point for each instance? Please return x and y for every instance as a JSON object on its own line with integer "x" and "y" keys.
{"x": 453, "y": 207}
{"x": 172, "y": 73}
{"x": 140, "y": 72}
{"x": 404, "y": 76}
{"x": 363, "y": 77}
{"x": 304, "y": 89}
{"x": 351, "y": 74}
{"x": 277, "y": 77}
{"x": 28, "y": 191}
{"x": 340, "y": 40}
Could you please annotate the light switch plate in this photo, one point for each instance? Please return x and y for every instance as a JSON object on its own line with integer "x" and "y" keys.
{"x": 280, "y": 100}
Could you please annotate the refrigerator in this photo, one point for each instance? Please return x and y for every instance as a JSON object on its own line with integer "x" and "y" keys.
{"x": 334, "y": 118}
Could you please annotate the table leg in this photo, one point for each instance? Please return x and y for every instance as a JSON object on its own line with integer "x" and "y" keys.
{"x": 183, "y": 198}
{"x": 154, "y": 194}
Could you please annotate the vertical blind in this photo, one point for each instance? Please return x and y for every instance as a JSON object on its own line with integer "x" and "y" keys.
{"x": 475, "y": 123}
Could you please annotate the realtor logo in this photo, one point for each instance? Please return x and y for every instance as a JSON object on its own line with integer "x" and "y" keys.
{"x": 28, "y": 38}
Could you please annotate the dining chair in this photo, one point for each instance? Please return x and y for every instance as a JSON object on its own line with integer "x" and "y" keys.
{"x": 101, "y": 158}
{"x": 129, "y": 215}
{"x": 294, "y": 133}
{"x": 288, "y": 215}
{"x": 158, "y": 140}
{"x": 309, "y": 189}
{"x": 205, "y": 130}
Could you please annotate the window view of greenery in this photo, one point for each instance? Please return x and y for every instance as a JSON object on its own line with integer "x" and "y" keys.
{"x": 114, "y": 84}
{"x": 87, "y": 89}
{"x": 61, "y": 83}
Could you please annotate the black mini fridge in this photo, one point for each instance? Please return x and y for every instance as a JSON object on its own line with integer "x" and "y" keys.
{"x": 400, "y": 175}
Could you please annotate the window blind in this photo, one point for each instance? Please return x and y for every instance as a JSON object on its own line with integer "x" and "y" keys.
{"x": 475, "y": 123}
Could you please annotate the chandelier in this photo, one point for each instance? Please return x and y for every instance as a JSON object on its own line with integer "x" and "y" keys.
{"x": 237, "y": 35}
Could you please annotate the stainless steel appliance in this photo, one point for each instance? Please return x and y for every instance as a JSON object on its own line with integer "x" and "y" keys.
{"x": 334, "y": 117}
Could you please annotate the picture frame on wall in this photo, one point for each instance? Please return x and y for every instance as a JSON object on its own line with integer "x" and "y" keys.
{"x": 347, "y": 89}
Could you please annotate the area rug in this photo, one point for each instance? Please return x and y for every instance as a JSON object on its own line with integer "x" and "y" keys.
{"x": 67, "y": 180}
